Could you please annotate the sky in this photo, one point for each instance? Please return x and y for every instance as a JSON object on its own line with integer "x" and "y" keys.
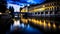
{"x": 22, "y": 3}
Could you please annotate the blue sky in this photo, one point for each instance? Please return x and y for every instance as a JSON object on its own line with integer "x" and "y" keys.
{"x": 24, "y": 2}
{"x": 17, "y": 4}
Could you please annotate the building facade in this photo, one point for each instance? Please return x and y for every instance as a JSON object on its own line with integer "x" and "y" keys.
{"x": 50, "y": 8}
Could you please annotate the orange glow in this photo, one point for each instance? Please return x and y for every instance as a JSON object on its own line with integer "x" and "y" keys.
{"x": 37, "y": 22}
{"x": 45, "y": 24}
{"x": 40, "y": 23}
{"x": 0, "y": 13}
{"x": 34, "y": 21}
{"x": 49, "y": 25}
{"x": 24, "y": 20}
{"x": 54, "y": 26}
{"x": 24, "y": 10}
{"x": 40, "y": 9}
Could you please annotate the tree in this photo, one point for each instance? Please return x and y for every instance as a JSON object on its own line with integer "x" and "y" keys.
{"x": 12, "y": 11}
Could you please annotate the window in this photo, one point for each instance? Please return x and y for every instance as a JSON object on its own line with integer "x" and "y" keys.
{"x": 38, "y": 12}
{"x": 41, "y": 12}
{"x": 46, "y": 12}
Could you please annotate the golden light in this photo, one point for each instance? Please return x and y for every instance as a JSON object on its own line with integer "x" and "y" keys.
{"x": 49, "y": 25}
{"x": 29, "y": 19}
{"x": 40, "y": 23}
{"x": 24, "y": 10}
{"x": 35, "y": 9}
{"x": 39, "y": 9}
{"x": 24, "y": 20}
{"x": 54, "y": 26}
{"x": 43, "y": 5}
{"x": 0, "y": 13}
{"x": 45, "y": 24}
{"x": 37, "y": 22}
{"x": 34, "y": 21}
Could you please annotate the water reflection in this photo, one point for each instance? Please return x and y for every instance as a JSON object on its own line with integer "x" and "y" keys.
{"x": 45, "y": 23}
{"x": 23, "y": 25}
{"x": 25, "y": 29}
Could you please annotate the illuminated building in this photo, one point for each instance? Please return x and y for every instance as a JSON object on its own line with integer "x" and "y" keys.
{"x": 50, "y": 8}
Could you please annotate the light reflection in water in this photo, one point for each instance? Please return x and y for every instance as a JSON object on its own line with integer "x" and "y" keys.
{"x": 54, "y": 26}
{"x": 49, "y": 25}
{"x": 45, "y": 24}
{"x": 26, "y": 28}
{"x": 16, "y": 23}
{"x": 40, "y": 23}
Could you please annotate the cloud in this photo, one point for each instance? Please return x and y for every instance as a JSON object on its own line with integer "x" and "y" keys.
{"x": 25, "y": 2}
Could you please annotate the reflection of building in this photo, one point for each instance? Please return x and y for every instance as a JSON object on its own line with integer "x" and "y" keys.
{"x": 49, "y": 8}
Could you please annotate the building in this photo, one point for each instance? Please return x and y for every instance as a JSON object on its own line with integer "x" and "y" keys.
{"x": 46, "y": 9}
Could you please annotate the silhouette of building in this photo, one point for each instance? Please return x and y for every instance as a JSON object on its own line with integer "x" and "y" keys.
{"x": 12, "y": 11}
